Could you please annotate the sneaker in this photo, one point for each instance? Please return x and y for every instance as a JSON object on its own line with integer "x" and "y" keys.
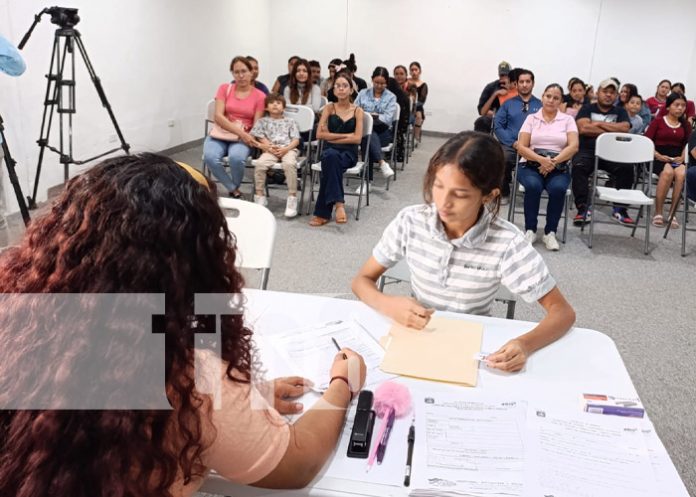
{"x": 583, "y": 215}
{"x": 387, "y": 171}
{"x": 530, "y": 236}
{"x": 291, "y": 206}
{"x": 622, "y": 217}
{"x": 550, "y": 241}
{"x": 261, "y": 200}
{"x": 364, "y": 189}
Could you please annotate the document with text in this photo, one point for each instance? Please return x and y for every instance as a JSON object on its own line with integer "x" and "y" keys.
{"x": 310, "y": 351}
{"x": 473, "y": 445}
{"x": 579, "y": 454}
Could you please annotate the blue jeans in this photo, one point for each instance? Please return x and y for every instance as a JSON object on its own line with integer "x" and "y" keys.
{"x": 236, "y": 152}
{"x": 555, "y": 183}
{"x": 334, "y": 163}
{"x": 691, "y": 183}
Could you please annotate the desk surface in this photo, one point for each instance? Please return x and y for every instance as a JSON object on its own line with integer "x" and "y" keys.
{"x": 582, "y": 361}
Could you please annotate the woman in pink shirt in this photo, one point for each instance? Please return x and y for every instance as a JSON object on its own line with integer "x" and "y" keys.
{"x": 547, "y": 141}
{"x": 103, "y": 412}
{"x": 237, "y": 107}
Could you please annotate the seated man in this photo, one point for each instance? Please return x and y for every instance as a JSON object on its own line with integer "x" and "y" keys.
{"x": 593, "y": 120}
{"x": 282, "y": 81}
{"x": 508, "y": 121}
{"x": 488, "y": 102}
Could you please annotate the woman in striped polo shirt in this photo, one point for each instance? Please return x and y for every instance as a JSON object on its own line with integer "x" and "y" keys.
{"x": 459, "y": 251}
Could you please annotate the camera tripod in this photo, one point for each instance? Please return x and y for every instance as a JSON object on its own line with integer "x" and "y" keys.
{"x": 60, "y": 92}
{"x": 12, "y": 173}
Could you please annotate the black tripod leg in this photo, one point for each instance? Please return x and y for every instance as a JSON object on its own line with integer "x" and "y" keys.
{"x": 12, "y": 173}
{"x": 100, "y": 90}
{"x": 57, "y": 61}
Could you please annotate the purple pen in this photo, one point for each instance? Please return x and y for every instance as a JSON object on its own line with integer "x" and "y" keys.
{"x": 382, "y": 447}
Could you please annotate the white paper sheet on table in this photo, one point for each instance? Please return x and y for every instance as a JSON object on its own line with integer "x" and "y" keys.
{"x": 468, "y": 444}
{"x": 667, "y": 478}
{"x": 310, "y": 351}
{"x": 578, "y": 454}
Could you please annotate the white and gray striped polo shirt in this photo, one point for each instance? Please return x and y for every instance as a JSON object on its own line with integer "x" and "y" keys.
{"x": 463, "y": 275}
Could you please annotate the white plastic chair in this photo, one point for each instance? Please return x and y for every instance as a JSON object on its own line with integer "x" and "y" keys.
{"x": 623, "y": 148}
{"x": 391, "y": 148}
{"x": 304, "y": 117}
{"x": 324, "y": 101}
{"x": 254, "y": 228}
{"x": 400, "y": 273}
{"x": 358, "y": 171}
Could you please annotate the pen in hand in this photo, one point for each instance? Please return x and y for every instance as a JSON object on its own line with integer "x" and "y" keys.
{"x": 338, "y": 347}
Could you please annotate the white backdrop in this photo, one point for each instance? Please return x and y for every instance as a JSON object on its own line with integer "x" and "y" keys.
{"x": 161, "y": 60}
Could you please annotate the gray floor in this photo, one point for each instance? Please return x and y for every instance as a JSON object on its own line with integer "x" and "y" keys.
{"x": 645, "y": 303}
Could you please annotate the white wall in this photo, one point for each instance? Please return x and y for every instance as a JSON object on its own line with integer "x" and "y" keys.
{"x": 159, "y": 61}
{"x": 459, "y": 43}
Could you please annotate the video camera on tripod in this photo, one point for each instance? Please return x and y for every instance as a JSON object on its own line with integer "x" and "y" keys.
{"x": 60, "y": 91}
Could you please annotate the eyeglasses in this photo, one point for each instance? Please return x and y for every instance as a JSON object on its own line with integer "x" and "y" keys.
{"x": 377, "y": 83}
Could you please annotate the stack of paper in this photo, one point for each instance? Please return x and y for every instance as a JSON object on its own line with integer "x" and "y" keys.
{"x": 443, "y": 351}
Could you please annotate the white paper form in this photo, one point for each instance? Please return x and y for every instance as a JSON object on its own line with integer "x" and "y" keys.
{"x": 310, "y": 351}
{"x": 579, "y": 454}
{"x": 667, "y": 478}
{"x": 471, "y": 444}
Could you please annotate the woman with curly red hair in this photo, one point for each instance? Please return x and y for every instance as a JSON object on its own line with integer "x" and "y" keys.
{"x": 138, "y": 225}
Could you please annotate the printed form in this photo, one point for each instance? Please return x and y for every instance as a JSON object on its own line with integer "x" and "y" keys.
{"x": 579, "y": 454}
{"x": 473, "y": 445}
{"x": 310, "y": 351}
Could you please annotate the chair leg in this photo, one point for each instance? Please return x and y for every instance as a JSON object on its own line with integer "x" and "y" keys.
{"x": 510, "y": 309}
{"x": 647, "y": 230}
{"x": 264, "y": 278}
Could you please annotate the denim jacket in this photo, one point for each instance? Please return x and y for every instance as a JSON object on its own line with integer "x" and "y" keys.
{"x": 385, "y": 107}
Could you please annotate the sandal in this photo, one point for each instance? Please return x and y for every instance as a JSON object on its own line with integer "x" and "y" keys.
{"x": 237, "y": 194}
{"x": 318, "y": 221}
{"x": 674, "y": 224}
{"x": 341, "y": 217}
{"x": 658, "y": 221}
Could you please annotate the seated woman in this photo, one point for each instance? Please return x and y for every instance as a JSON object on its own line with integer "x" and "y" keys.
{"x": 690, "y": 107}
{"x": 327, "y": 84}
{"x": 300, "y": 89}
{"x": 547, "y": 141}
{"x": 397, "y": 85}
{"x": 144, "y": 224}
{"x": 381, "y": 104}
{"x": 421, "y": 89}
{"x": 341, "y": 129}
{"x": 238, "y": 106}
{"x": 459, "y": 251}
{"x": 657, "y": 103}
{"x": 670, "y": 133}
{"x": 575, "y": 99}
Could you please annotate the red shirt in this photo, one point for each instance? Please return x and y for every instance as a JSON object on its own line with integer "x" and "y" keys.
{"x": 663, "y": 134}
{"x": 655, "y": 105}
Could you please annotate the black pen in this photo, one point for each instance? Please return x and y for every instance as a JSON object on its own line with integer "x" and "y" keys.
{"x": 338, "y": 347}
{"x": 409, "y": 457}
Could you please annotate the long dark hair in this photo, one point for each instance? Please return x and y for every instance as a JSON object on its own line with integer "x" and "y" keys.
{"x": 294, "y": 85}
{"x": 478, "y": 156}
{"x": 673, "y": 97}
{"x": 132, "y": 224}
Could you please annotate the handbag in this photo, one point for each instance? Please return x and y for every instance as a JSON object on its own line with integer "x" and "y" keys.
{"x": 220, "y": 133}
{"x": 562, "y": 167}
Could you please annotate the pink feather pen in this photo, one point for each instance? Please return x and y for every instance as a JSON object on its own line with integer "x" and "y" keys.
{"x": 392, "y": 400}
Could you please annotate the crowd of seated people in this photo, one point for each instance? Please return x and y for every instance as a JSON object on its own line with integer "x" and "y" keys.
{"x": 249, "y": 120}
{"x": 508, "y": 109}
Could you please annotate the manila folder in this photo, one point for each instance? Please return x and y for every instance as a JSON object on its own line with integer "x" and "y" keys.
{"x": 443, "y": 351}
